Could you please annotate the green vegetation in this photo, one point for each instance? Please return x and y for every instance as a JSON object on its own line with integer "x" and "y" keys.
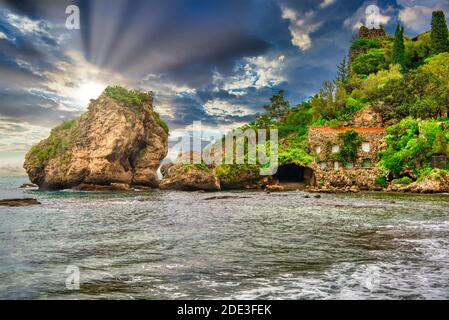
{"x": 135, "y": 100}
{"x": 439, "y": 34}
{"x": 343, "y": 72}
{"x": 404, "y": 80}
{"x": 403, "y": 181}
{"x": 421, "y": 93}
{"x": 398, "y": 55}
{"x": 411, "y": 144}
{"x": 57, "y": 145}
{"x": 365, "y": 44}
{"x": 350, "y": 143}
{"x": 131, "y": 98}
{"x": 200, "y": 166}
{"x": 372, "y": 61}
{"x": 237, "y": 173}
{"x": 161, "y": 122}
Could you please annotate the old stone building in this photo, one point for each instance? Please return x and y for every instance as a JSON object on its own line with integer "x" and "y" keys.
{"x": 361, "y": 174}
{"x": 326, "y": 142}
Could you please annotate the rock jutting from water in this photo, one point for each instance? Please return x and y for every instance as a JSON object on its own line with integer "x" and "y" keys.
{"x": 19, "y": 202}
{"x": 185, "y": 176}
{"x": 120, "y": 140}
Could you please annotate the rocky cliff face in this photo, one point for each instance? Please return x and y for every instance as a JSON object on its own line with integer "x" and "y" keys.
{"x": 119, "y": 140}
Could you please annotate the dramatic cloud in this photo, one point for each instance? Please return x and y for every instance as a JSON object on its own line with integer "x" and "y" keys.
{"x": 418, "y": 17}
{"x": 255, "y": 72}
{"x": 217, "y": 62}
{"x": 301, "y": 26}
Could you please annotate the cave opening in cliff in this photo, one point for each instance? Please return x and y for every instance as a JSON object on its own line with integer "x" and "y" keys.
{"x": 293, "y": 173}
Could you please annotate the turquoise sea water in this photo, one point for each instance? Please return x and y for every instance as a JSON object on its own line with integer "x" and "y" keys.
{"x": 173, "y": 245}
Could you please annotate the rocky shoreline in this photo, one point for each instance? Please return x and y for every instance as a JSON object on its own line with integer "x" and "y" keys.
{"x": 120, "y": 143}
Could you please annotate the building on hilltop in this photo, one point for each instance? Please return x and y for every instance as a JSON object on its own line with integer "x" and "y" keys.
{"x": 366, "y": 33}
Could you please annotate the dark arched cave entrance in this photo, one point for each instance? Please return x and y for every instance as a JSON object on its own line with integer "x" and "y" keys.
{"x": 294, "y": 176}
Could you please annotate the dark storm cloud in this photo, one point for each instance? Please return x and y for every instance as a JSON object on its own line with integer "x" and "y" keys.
{"x": 186, "y": 39}
{"x": 25, "y": 106}
{"x": 32, "y": 50}
{"x": 185, "y": 43}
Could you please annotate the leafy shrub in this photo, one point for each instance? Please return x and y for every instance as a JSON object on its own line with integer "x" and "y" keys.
{"x": 131, "y": 98}
{"x": 373, "y": 86}
{"x": 350, "y": 143}
{"x": 416, "y": 52}
{"x": 58, "y": 144}
{"x": 334, "y": 123}
{"x": 410, "y": 144}
{"x": 365, "y": 44}
{"x": 296, "y": 121}
{"x": 403, "y": 181}
{"x": 370, "y": 62}
{"x": 382, "y": 181}
{"x": 294, "y": 149}
{"x": 233, "y": 173}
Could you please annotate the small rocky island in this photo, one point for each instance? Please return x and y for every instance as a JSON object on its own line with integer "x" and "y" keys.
{"x": 118, "y": 143}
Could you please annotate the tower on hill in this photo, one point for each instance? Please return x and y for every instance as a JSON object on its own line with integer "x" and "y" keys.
{"x": 366, "y": 33}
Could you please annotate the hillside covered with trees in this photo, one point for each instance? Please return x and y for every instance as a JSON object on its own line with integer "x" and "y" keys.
{"x": 404, "y": 80}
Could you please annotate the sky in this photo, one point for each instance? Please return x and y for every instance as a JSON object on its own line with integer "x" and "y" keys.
{"x": 214, "y": 61}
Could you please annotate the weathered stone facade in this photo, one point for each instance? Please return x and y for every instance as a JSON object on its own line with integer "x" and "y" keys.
{"x": 325, "y": 143}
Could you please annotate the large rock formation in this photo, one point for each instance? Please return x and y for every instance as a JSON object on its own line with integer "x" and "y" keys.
{"x": 184, "y": 175}
{"x": 190, "y": 177}
{"x": 120, "y": 140}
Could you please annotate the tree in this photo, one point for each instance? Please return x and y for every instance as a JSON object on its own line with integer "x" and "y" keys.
{"x": 398, "y": 55}
{"x": 343, "y": 71}
{"x": 370, "y": 62}
{"x": 439, "y": 35}
{"x": 279, "y": 106}
{"x": 440, "y": 144}
{"x": 330, "y": 101}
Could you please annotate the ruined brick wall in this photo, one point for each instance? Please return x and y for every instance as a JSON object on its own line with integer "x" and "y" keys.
{"x": 366, "y": 33}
